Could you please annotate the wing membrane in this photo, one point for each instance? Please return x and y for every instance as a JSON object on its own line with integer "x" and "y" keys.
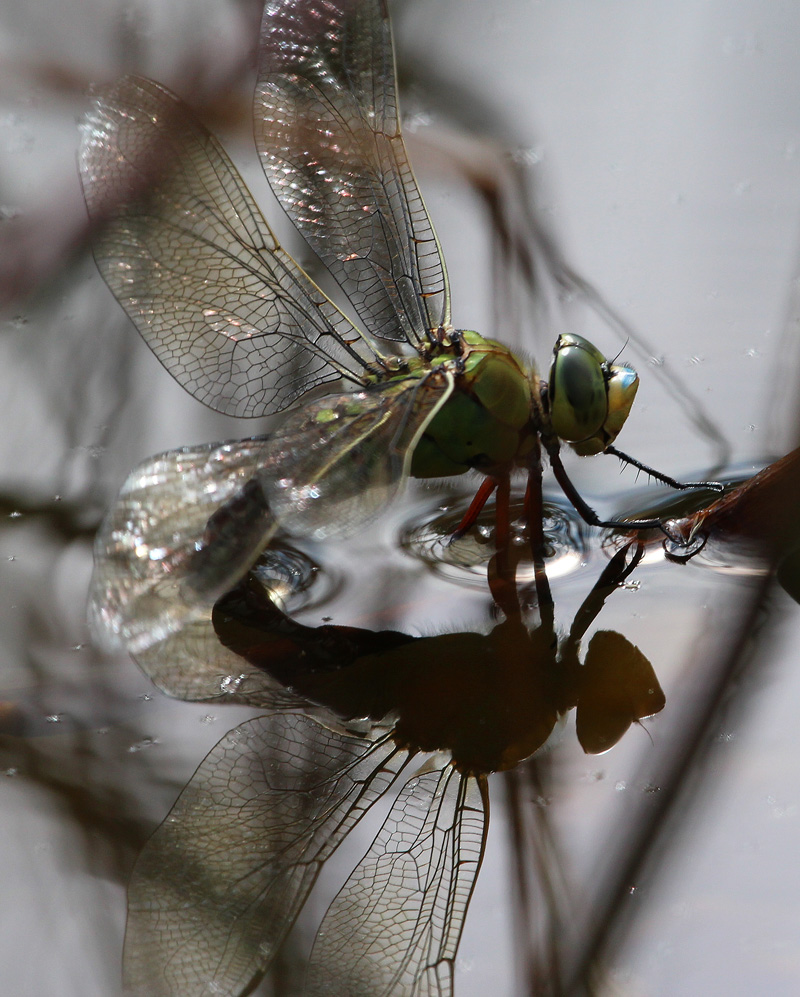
{"x": 327, "y": 474}
{"x": 188, "y": 255}
{"x": 194, "y": 666}
{"x": 189, "y": 523}
{"x": 328, "y": 133}
{"x": 149, "y": 577}
{"x": 394, "y": 928}
{"x": 222, "y": 880}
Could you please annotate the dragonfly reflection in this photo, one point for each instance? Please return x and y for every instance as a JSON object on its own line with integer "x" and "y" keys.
{"x": 221, "y": 882}
{"x": 357, "y": 712}
{"x": 235, "y": 320}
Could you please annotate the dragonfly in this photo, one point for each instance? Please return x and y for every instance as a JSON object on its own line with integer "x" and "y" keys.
{"x": 355, "y": 714}
{"x": 184, "y": 248}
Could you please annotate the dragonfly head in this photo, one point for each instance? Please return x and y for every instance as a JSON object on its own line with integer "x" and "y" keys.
{"x": 589, "y": 398}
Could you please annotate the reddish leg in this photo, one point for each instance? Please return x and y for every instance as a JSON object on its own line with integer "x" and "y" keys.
{"x": 534, "y": 513}
{"x": 502, "y": 573}
{"x": 470, "y": 516}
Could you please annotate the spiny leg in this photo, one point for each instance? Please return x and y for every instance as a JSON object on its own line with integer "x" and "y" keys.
{"x": 714, "y": 486}
{"x": 588, "y": 514}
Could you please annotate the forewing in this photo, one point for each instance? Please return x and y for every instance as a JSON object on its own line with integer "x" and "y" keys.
{"x": 394, "y": 928}
{"x": 189, "y": 523}
{"x": 222, "y": 880}
{"x": 328, "y": 133}
{"x": 188, "y": 255}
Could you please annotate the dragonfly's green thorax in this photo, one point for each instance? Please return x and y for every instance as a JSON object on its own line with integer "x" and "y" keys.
{"x": 490, "y": 420}
{"x": 487, "y": 421}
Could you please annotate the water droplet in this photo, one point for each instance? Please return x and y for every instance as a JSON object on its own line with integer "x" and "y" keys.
{"x": 415, "y": 121}
{"x": 230, "y": 684}
{"x": 146, "y": 742}
{"x": 527, "y": 155}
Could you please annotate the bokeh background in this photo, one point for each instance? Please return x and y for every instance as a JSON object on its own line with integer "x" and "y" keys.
{"x": 658, "y": 151}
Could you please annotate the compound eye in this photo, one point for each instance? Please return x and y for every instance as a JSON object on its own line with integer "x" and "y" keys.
{"x": 577, "y": 389}
{"x": 622, "y": 387}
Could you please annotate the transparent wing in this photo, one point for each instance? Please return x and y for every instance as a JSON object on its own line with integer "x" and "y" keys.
{"x": 220, "y": 883}
{"x": 349, "y": 453}
{"x": 328, "y": 133}
{"x": 189, "y": 523}
{"x": 394, "y": 928}
{"x": 188, "y": 255}
{"x": 156, "y": 565}
{"x": 194, "y": 666}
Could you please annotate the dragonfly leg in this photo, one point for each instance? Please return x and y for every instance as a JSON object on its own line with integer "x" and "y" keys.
{"x": 534, "y": 515}
{"x": 482, "y": 495}
{"x": 502, "y": 570}
{"x": 714, "y": 486}
{"x": 587, "y": 513}
{"x": 618, "y": 569}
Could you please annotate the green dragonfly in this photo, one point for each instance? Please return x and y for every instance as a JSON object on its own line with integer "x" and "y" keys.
{"x": 185, "y": 250}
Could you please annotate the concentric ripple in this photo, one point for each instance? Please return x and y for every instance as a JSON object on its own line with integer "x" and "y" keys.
{"x": 464, "y": 559}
